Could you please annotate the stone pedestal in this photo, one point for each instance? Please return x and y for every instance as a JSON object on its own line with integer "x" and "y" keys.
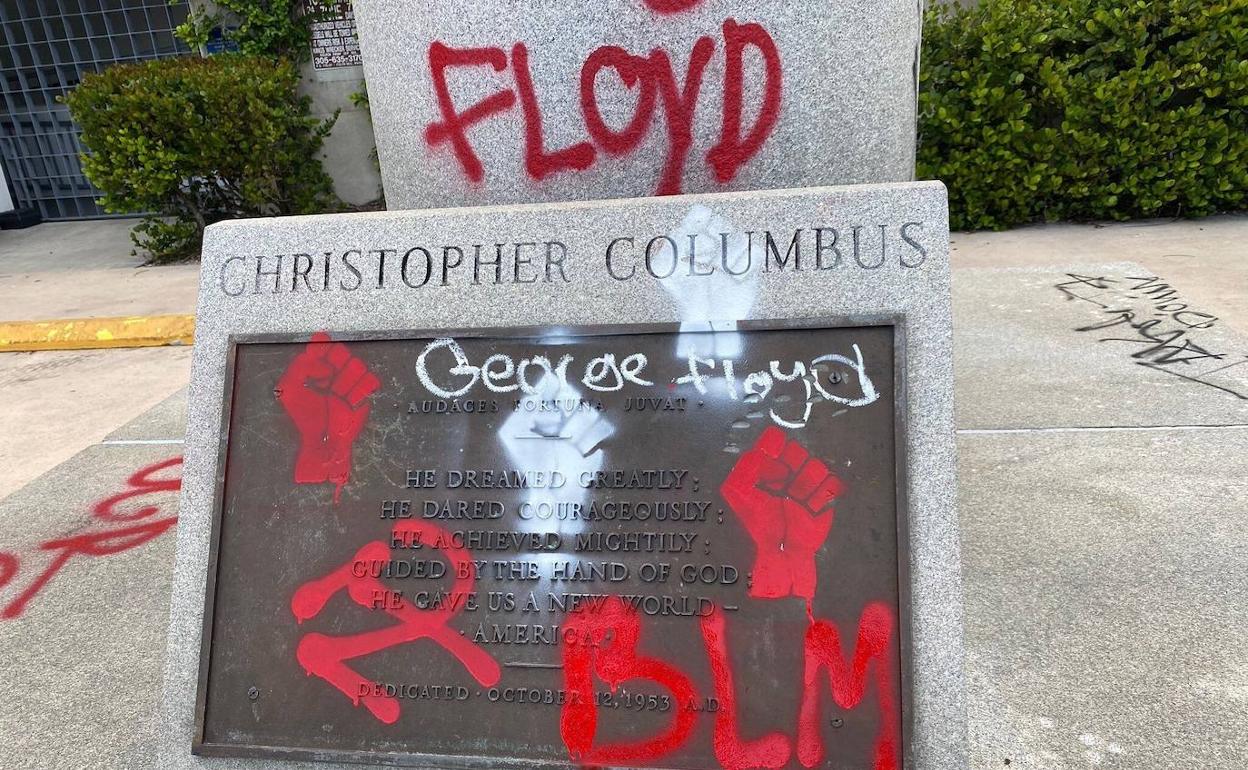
{"x": 513, "y": 101}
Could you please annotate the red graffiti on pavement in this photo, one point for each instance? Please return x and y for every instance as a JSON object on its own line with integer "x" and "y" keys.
{"x": 770, "y": 751}
{"x": 140, "y": 483}
{"x": 324, "y": 391}
{"x": 784, "y": 498}
{"x": 603, "y": 640}
{"x": 97, "y": 543}
{"x": 653, "y": 76}
{"x": 848, "y": 680}
{"x": 326, "y": 656}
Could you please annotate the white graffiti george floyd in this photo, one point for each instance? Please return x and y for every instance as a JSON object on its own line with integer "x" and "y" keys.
{"x": 804, "y": 383}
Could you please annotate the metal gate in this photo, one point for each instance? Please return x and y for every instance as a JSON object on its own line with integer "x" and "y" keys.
{"x": 45, "y": 47}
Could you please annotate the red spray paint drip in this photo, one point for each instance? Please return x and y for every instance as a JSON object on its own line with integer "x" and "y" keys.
{"x": 107, "y": 542}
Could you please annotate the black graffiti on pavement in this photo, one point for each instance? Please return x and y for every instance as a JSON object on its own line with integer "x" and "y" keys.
{"x": 1146, "y": 312}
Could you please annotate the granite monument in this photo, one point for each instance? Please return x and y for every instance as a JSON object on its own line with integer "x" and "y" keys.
{"x": 515, "y": 102}
{"x": 662, "y": 482}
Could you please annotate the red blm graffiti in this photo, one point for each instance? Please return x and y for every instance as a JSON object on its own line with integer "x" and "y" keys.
{"x": 847, "y": 678}
{"x": 770, "y": 751}
{"x": 603, "y": 643}
{"x": 326, "y": 656}
{"x": 652, "y": 77}
{"x": 144, "y": 526}
{"x": 325, "y": 391}
{"x": 784, "y": 498}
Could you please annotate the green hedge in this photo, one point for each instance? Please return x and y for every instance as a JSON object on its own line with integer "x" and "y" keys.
{"x": 192, "y": 141}
{"x": 1085, "y": 109}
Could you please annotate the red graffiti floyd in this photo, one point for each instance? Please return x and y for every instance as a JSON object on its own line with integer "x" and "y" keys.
{"x": 653, "y": 76}
{"x": 454, "y": 126}
{"x": 324, "y": 391}
{"x": 784, "y": 498}
{"x": 326, "y": 656}
{"x": 99, "y": 542}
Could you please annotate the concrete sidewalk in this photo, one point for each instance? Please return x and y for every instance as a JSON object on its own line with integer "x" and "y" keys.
{"x": 85, "y": 270}
{"x": 59, "y": 403}
{"x": 1103, "y": 500}
{"x": 1102, "y": 391}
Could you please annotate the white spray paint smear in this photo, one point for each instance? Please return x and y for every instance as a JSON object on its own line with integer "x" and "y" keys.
{"x": 704, "y": 301}
{"x": 555, "y": 430}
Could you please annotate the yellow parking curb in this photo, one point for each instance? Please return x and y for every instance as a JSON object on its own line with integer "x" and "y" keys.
{"x": 86, "y": 333}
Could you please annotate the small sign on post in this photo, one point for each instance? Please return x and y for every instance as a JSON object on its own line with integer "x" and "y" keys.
{"x": 334, "y": 40}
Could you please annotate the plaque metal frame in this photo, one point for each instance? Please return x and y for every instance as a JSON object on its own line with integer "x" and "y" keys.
{"x": 897, "y": 321}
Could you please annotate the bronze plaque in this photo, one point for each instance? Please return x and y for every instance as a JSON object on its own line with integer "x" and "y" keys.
{"x": 636, "y": 547}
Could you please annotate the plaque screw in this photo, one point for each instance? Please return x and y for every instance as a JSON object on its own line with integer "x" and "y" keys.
{"x": 252, "y": 693}
{"x": 838, "y": 723}
{"x": 277, "y": 392}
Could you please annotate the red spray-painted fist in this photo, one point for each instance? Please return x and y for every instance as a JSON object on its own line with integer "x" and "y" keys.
{"x": 784, "y": 498}
{"x": 324, "y": 392}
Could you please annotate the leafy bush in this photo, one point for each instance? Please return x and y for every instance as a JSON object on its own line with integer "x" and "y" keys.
{"x": 193, "y": 141}
{"x": 277, "y": 28}
{"x": 1085, "y": 109}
